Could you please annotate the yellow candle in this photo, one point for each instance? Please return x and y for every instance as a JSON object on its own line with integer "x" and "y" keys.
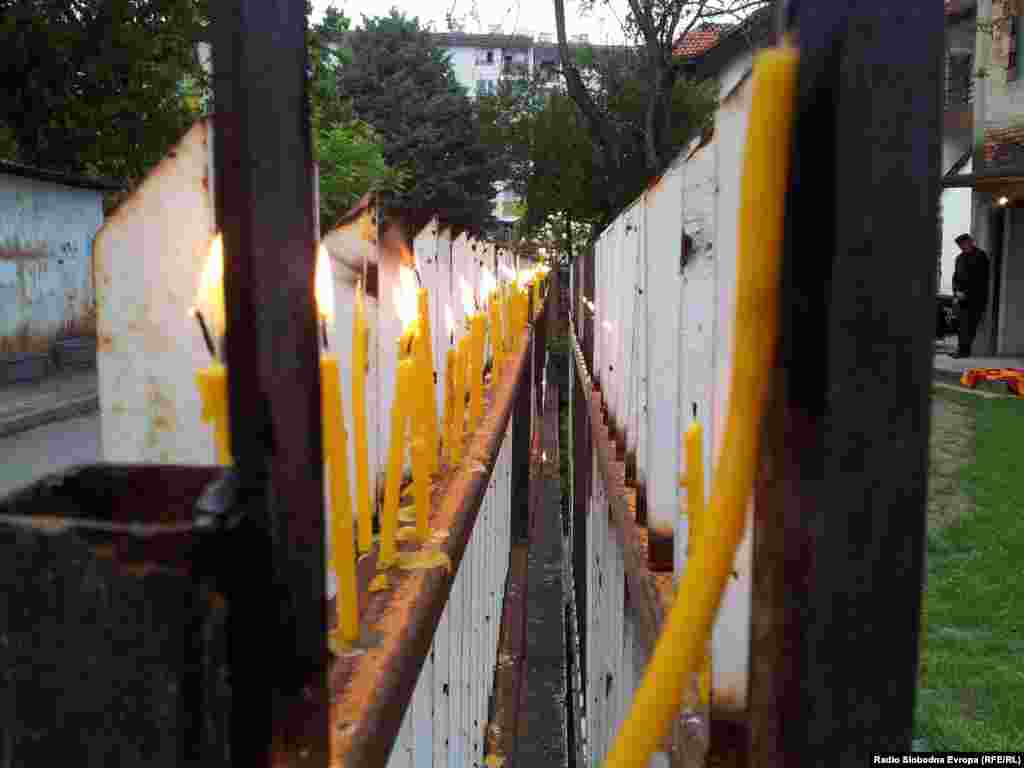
{"x": 396, "y": 456}
{"x": 762, "y": 213}
{"x": 421, "y": 485}
{"x": 459, "y": 399}
{"x": 360, "y": 358}
{"x": 212, "y": 382}
{"x": 449, "y": 403}
{"x": 476, "y": 370}
{"x": 496, "y": 341}
{"x": 423, "y": 306}
{"x": 336, "y": 456}
{"x": 694, "y": 483}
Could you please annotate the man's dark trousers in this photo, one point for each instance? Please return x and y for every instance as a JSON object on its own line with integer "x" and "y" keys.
{"x": 969, "y": 318}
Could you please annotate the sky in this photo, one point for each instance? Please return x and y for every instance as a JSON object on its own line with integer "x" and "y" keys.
{"x": 514, "y": 16}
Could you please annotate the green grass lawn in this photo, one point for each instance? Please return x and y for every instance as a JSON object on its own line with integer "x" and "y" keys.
{"x": 971, "y": 691}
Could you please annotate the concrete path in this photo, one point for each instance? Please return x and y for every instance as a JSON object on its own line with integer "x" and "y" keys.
{"x": 61, "y": 396}
{"x": 30, "y": 454}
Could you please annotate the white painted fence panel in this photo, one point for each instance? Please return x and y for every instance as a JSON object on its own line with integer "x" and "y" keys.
{"x": 663, "y": 335}
{"x": 444, "y": 724}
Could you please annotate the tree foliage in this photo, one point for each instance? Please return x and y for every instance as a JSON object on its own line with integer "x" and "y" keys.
{"x": 403, "y": 85}
{"x": 652, "y": 134}
{"x": 351, "y": 161}
{"x": 569, "y": 189}
{"x": 98, "y": 86}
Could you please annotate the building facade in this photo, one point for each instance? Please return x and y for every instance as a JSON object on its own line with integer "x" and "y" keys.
{"x": 47, "y": 295}
{"x": 983, "y": 158}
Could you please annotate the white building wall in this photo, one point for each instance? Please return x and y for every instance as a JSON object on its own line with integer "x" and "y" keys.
{"x": 956, "y": 219}
{"x": 46, "y": 285}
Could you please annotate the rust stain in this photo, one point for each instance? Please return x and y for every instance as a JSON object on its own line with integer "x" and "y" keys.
{"x": 160, "y": 409}
{"x": 105, "y": 343}
{"x": 131, "y": 201}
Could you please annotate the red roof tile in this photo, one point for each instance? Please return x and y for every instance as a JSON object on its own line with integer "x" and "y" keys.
{"x": 697, "y": 41}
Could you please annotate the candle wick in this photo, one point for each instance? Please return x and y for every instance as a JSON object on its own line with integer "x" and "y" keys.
{"x": 323, "y": 330}
{"x": 419, "y": 280}
{"x": 206, "y": 333}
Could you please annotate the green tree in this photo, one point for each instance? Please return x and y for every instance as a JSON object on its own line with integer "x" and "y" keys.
{"x": 403, "y": 85}
{"x": 98, "y": 85}
{"x": 328, "y": 52}
{"x": 351, "y": 163}
{"x": 568, "y": 188}
{"x": 653, "y": 27}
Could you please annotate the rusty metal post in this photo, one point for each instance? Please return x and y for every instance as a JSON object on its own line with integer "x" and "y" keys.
{"x": 839, "y": 527}
{"x": 264, "y": 200}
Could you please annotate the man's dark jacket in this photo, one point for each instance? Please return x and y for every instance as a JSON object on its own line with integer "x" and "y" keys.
{"x": 971, "y": 278}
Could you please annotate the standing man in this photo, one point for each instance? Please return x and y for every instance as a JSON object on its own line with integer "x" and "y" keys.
{"x": 970, "y": 287}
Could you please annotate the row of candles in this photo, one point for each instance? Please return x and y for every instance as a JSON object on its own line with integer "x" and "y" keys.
{"x": 414, "y": 419}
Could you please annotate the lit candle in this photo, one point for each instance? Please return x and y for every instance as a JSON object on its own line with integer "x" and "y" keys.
{"x": 478, "y": 328}
{"x": 212, "y": 383}
{"x": 423, "y": 429}
{"x": 459, "y": 401}
{"x": 427, "y": 361}
{"x": 336, "y": 458}
{"x": 488, "y": 288}
{"x": 360, "y": 358}
{"x": 451, "y": 362}
{"x": 396, "y": 454}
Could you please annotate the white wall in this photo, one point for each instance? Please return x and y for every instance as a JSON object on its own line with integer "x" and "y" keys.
{"x": 956, "y": 219}
{"x": 46, "y": 233}
{"x": 687, "y": 317}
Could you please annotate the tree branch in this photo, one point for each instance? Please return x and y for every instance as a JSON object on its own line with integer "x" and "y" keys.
{"x": 598, "y": 126}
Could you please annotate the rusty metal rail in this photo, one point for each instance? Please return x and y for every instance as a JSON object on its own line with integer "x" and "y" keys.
{"x": 373, "y": 690}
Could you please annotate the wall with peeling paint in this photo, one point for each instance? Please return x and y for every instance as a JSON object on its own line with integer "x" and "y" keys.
{"x": 663, "y": 346}
{"x": 46, "y": 284}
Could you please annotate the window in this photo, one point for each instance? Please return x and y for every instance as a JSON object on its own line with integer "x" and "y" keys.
{"x": 490, "y": 57}
{"x": 485, "y": 88}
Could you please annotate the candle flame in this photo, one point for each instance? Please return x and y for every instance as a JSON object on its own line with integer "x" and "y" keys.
{"x": 210, "y": 296}
{"x": 324, "y": 284}
{"x": 467, "y": 296}
{"x": 487, "y": 284}
{"x": 405, "y": 297}
{"x": 449, "y": 319}
{"x": 507, "y": 271}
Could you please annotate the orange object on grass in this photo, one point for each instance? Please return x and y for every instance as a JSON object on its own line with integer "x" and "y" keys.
{"x": 1014, "y": 378}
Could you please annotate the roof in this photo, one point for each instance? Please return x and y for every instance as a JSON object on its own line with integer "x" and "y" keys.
{"x": 699, "y": 40}
{"x": 757, "y": 30}
{"x": 59, "y": 177}
{"x": 468, "y": 40}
